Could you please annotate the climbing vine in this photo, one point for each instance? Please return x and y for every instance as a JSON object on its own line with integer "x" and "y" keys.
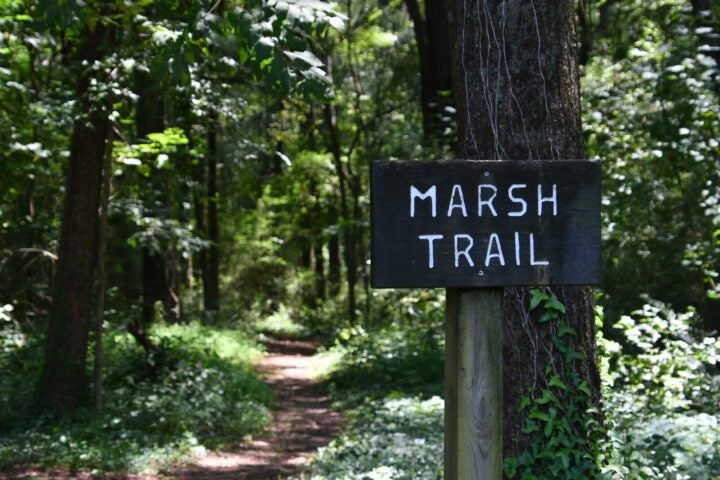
{"x": 559, "y": 412}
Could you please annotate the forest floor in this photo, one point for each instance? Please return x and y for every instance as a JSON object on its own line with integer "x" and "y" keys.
{"x": 303, "y": 421}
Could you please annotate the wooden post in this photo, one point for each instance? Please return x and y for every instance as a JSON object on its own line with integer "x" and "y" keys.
{"x": 473, "y": 384}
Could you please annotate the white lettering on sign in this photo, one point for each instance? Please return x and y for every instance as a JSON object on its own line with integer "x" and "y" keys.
{"x": 464, "y": 245}
{"x": 463, "y": 248}
{"x": 542, "y": 199}
{"x": 487, "y": 194}
{"x": 532, "y": 253}
{"x": 494, "y": 240}
{"x": 457, "y": 190}
{"x": 466, "y": 252}
{"x": 515, "y": 199}
{"x": 431, "y": 253}
{"x": 488, "y": 202}
{"x": 430, "y": 192}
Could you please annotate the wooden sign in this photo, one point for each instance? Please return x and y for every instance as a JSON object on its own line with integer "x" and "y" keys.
{"x": 469, "y": 223}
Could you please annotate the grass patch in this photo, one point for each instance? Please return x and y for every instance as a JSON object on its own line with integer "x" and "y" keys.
{"x": 197, "y": 391}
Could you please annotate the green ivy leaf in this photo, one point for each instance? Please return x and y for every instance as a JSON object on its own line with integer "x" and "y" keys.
{"x": 537, "y": 297}
{"x": 554, "y": 304}
{"x": 556, "y": 382}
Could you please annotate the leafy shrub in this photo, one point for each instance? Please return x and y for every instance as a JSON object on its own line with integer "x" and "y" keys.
{"x": 661, "y": 397}
{"x": 390, "y": 439}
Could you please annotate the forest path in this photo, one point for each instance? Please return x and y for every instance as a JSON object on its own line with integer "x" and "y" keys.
{"x": 302, "y": 421}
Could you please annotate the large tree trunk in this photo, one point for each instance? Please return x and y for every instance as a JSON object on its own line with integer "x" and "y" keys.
{"x": 517, "y": 94}
{"x": 432, "y": 39}
{"x": 63, "y": 383}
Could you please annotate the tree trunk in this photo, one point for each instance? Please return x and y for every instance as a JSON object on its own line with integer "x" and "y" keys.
{"x": 433, "y": 44}
{"x": 333, "y": 265}
{"x": 63, "y": 382}
{"x": 200, "y": 201}
{"x": 212, "y": 279}
{"x": 160, "y": 279}
{"x": 319, "y": 265}
{"x": 102, "y": 276}
{"x": 517, "y": 94}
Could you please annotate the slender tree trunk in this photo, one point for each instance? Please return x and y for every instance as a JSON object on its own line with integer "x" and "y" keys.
{"x": 200, "y": 201}
{"x": 319, "y": 265}
{"x": 212, "y": 288}
{"x": 333, "y": 265}
{"x": 150, "y": 119}
{"x": 346, "y": 216}
{"x": 63, "y": 382}
{"x": 102, "y": 278}
{"x": 517, "y": 93}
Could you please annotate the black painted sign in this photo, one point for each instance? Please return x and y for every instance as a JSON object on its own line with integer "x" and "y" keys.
{"x": 468, "y": 223}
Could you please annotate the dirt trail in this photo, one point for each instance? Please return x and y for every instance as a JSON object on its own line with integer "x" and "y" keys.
{"x": 303, "y": 422}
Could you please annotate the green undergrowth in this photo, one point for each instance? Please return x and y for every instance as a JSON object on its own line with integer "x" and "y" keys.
{"x": 393, "y": 360}
{"x": 393, "y": 438}
{"x": 402, "y": 357}
{"x": 196, "y": 391}
{"x": 280, "y": 323}
{"x": 661, "y": 392}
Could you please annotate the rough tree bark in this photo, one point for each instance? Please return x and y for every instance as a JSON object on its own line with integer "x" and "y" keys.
{"x": 517, "y": 93}
{"x": 63, "y": 382}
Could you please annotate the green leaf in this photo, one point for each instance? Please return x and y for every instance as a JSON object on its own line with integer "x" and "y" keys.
{"x": 583, "y": 387}
{"x": 539, "y": 415}
{"x": 556, "y": 382}
{"x": 537, "y": 297}
{"x": 566, "y": 330}
{"x": 554, "y": 304}
{"x": 546, "y": 397}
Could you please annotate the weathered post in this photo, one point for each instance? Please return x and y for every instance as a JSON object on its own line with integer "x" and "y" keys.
{"x": 473, "y": 384}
